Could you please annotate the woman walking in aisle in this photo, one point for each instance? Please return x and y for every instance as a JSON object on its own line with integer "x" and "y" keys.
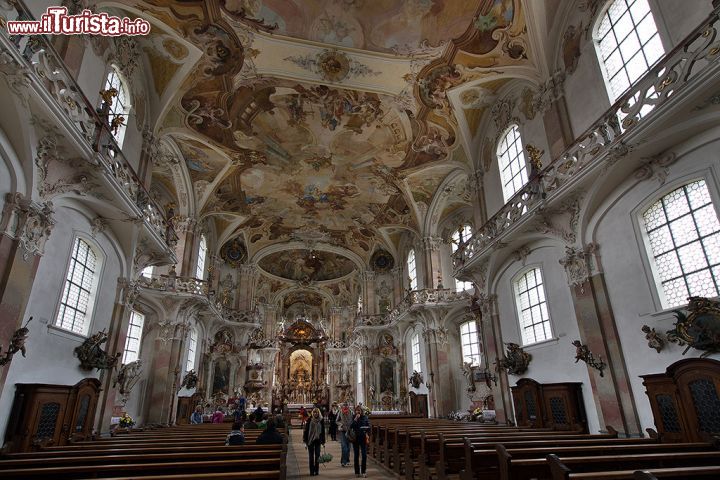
{"x": 314, "y": 437}
{"x": 332, "y": 421}
{"x": 343, "y": 421}
{"x": 361, "y": 427}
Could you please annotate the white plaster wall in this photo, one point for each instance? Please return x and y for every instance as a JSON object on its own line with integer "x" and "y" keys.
{"x": 554, "y": 360}
{"x": 630, "y": 284}
{"x": 50, "y": 352}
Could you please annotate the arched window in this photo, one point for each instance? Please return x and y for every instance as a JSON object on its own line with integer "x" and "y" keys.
{"x": 627, "y": 44}
{"x": 192, "y": 347}
{"x": 460, "y": 236}
{"x": 532, "y": 307}
{"x": 513, "y": 165}
{"x": 683, "y": 234}
{"x": 202, "y": 255}
{"x": 147, "y": 272}
{"x": 412, "y": 270}
{"x": 415, "y": 352}
{"x": 470, "y": 343}
{"x": 134, "y": 337}
{"x": 80, "y": 288}
{"x": 120, "y": 105}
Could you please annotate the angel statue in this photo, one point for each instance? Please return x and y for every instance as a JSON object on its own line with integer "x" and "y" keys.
{"x": 468, "y": 374}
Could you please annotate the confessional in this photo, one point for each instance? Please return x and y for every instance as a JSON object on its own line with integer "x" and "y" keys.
{"x": 549, "y": 405}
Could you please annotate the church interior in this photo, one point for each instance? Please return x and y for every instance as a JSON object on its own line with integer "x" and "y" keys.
{"x": 493, "y": 224}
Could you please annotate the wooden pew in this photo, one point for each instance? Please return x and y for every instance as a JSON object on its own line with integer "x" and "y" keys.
{"x": 532, "y": 463}
{"x": 483, "y": 459}
{"x": 561, "y": 471}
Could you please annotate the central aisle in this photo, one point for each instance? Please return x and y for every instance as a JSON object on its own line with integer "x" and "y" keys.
{"x": 297, "y": 461}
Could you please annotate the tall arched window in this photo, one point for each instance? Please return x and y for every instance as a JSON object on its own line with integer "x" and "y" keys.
{"x": 460, "y": 236}
{"x": 80, "y": 288}
{"x": 415, "y": 352}
{"x": 513, "y": 165}
{"x": 470, "y": 343}
{"x": 192, "y": 347}
{"x": 147, "y": 272}
{"x": 134, "y": 337}
{"x": 683, "y": 234}
{"x": 120, "y": 106}
{"x": 412, "y": 270}
{"x": 532, "y": 307}
{"x": 202, "y": 255}
{"x": 627, "y": 43}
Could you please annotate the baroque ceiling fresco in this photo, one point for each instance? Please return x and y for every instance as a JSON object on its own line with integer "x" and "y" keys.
{"x": 329, "y": 122}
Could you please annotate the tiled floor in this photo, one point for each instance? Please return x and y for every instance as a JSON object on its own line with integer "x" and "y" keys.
{"x": 297, "y": 461}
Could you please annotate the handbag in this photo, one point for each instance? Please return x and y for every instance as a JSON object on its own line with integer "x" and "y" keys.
{"x": 350, "y": 435}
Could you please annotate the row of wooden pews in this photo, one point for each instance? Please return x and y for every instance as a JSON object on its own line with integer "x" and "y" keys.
{"x": 438, "y": 449}
{"x": 191, "y": 452}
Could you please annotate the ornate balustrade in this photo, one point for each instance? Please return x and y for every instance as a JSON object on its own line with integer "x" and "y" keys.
{"x": 691, "y": 62}
{"x": 33, "y": 62}
{"x": 416, "y": 299}
{"x": 200, "y": 289}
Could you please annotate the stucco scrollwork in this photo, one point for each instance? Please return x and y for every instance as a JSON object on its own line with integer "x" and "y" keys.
{"x": 30, "y": 223}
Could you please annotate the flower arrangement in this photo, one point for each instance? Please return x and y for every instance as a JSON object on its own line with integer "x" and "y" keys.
{"x": 477, "y": 414}
{"x": 126, "y": 421}
{"x": 366, "y": 410}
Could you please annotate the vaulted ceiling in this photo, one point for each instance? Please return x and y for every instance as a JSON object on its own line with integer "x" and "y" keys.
{"x": 335, "y": 122}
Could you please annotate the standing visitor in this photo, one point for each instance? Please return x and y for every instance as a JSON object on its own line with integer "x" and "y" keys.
{"x": 332, "y": 420}
{"x": 303, "y": 416}
{"x": 343, "y": 422}
{"x": 361, "y": 426}
{"x": 314, "y": 437}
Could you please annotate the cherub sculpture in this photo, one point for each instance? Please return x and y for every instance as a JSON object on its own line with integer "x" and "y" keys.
{"x": 17, "y": 344}
{"x": 654, "y": 340}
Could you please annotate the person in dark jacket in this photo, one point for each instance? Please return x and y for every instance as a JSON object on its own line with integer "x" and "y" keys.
{"x": 236, "y": 435}
{"x": 332, "y": 420}
{"x": 361, "y": 426}
{"x": 258, "y": 413}
{"x": 270, "y": 435}
{"x": 313, "y": 438}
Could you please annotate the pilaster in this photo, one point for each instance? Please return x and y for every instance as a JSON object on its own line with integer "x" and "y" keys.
{"x": 598, "y": 330}
{"x": 24, "y": 229}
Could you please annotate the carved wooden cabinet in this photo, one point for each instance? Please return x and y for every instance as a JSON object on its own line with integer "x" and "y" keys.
{"x": 51, "y": 414}
{"x": 685, "y": 400}
{"x": 550, "y": 405}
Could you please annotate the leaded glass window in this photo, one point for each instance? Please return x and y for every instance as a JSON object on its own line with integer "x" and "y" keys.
{"x": 513, "y": 165}
{"x": 79, "y": 290}
{"x": 532, "y": 307}
{"x": 683, "y": 233}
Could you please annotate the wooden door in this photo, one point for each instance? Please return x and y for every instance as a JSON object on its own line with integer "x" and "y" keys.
{"x": 666, "y": 407}
{"x": 419, "y": 404}
{"x": 47, "y": 426}
{"x": 698, "y": 385}
{"x": 527, "y": 398}
{"x": 83, "y": 402}
{"x": 563, "y": 405}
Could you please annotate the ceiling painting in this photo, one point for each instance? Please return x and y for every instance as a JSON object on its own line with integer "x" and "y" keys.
{"x": 330, "y": 121}
{"x": 307, "y": 265}
{"x": 386, "y": 26}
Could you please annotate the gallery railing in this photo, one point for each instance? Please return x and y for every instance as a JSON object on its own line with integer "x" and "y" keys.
{"x": 692, "y": 61}
{"x": 36, "y": 63}
{"x": 426, "y": 297}
{"x": 200, "y": 289}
